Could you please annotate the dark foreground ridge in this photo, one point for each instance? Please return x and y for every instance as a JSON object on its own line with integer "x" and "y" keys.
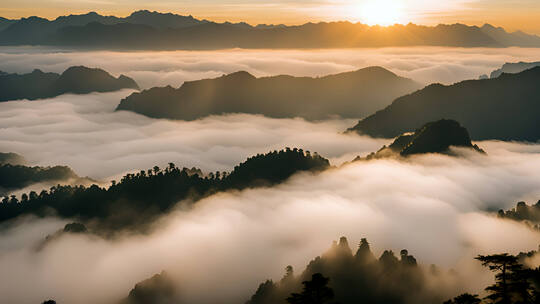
{"x": 343, "y": 276}
{"x": 503, "y": 108}
{"x": 349, "y": 95}
{"x": 77, "y": 80}
{"x": 139, "y": 198}
{"x": 433, "y": 137}
{"x": 153, "y": 30}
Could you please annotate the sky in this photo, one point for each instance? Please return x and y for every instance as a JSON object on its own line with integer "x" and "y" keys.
{"x": 510, "y": 14}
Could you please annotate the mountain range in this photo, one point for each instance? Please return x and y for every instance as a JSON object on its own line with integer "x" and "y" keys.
{"x": 349, "y": 95}
{"x": 77, "y": 80}
{"x": 503, "y": 108}
{"x": 153, "y": 30}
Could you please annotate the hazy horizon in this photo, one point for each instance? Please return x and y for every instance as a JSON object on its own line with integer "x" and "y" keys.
{"x": 295, "y": 12}
{"x": 161, "y": 160}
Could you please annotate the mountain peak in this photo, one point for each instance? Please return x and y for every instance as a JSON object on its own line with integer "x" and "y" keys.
{"x": 438, "y": 137}
{"x": 240, "y": 75}
{"x": 433, "y": 137}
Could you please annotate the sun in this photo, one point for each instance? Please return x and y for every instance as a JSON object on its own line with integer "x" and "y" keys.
{"x": 381, "y": 12}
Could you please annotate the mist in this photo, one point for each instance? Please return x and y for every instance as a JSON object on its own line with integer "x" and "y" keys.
{"x": 423, "y": 64}
{"x": 435, "y": 206}
{"x": 84, "y": 132}
{"x": 228, "y": 243}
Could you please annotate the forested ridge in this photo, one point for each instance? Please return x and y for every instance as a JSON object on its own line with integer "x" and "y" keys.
{"x": 139, "y": 197}
{"x": 18, "y": 176}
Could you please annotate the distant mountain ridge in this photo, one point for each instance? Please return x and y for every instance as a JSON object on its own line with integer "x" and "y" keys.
{"x": 350, "y": 95}
{"x": 77, "y": 80}
{"x": 503, "y": 108}
{"x": 153, "y": 30}
{"x": 513, "y": 68}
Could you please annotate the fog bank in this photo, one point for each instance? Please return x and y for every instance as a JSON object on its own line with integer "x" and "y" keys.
{"x": 423, "y": 64}
{"x": 84, "y": 132}
{"x": 230, "y": 242}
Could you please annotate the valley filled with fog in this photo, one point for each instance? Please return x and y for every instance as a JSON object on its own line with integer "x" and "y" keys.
{"x": 440, "y": 207}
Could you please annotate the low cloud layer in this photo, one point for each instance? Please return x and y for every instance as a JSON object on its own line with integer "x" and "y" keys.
{"x": 230, "y": 242}
{"x": 84, "y": 132}
{"x": 432, "y": 205}
{"x": 425, "y": 64}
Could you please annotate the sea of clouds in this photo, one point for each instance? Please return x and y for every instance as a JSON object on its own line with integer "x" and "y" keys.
{"x": 85, "y": 133}
{"x": 433, "y": 205}
{"x": 423, "y": 64}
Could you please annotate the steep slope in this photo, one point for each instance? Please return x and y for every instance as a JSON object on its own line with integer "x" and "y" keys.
{"x": 352, "y": 94}
{"x": 504, "y": 108}
{"x": 78, "y": 80}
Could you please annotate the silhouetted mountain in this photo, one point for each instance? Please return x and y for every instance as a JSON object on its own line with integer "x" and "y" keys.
{"x": 529, "y": 215}
{"x": 357, "y": 278}
{"x": 161, "y": 20}
{"x": 513, "y": 68}
{"x": 170, "y": 31}
{"x": 433, "y": 137}
{"x": 510, "y": 39}
{"x": 159, "y": 289}
{"x": 14, "y": 177}
{"x": 4, "y": 23}
{"x": 505, "y": 108}
{"x": 138, "y": 198}
{"x": 77, "y": 80}
{"x": 12, "y": 159}
{"x": 35, "y": 30}
{"x": 351, "y": 94}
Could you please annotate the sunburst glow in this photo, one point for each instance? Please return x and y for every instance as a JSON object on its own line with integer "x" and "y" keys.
{"x": 381, "y": 12}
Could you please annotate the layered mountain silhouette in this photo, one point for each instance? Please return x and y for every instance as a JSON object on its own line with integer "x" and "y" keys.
{"x": 513, "y": 68}
{"x": 153, "y": 30}
{"x": 434, "y": 137}
{"x": 349, "y": 95}
{"x": 504, "y": 108}
{"x": 77, "y": 80}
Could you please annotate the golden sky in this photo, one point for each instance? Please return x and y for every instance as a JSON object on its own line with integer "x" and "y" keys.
{"x": 510, "y": 14}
